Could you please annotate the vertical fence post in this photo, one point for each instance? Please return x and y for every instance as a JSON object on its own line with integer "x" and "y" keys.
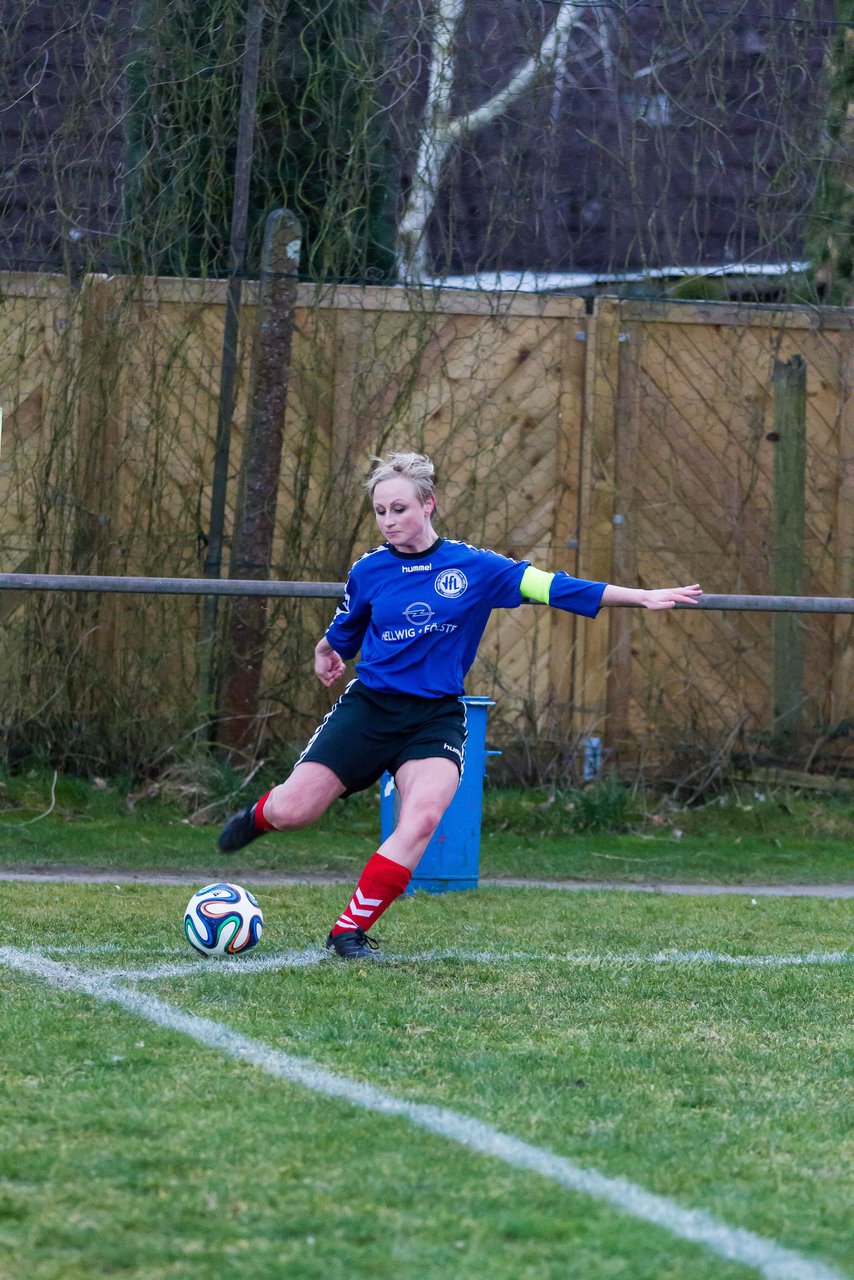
{"x": 842, "y": 681}
{"x": 789, "y": 381}
{"x": 563, "y": 627}
{"x": 596, "y": 506}
{"x": 252, "y": 543}
{"x": 621, "y": 622}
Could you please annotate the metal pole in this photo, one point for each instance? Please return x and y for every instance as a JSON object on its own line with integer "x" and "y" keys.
{"x": 167, "y": 586}
{"x": 228, "y": 375}
{"x": 775, "y": 604}
{"x": 335, "y": 590}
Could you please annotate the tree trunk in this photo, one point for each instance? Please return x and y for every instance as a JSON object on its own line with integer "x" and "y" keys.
{"x": 252, "y": 544}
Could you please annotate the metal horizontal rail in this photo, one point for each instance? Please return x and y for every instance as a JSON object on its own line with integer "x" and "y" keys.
{"x": 167, "y": 586}
{"x": 776, "y": 604}
{"x": 335, "y": 590}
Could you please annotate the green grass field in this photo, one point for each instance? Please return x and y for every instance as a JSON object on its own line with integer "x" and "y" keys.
{"x": 572, "y": 1085}
{"x": 743, "y": 836}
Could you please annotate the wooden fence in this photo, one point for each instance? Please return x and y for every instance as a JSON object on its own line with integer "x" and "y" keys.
{"x": 683, "y": 436}
{"x": 639, "y": 444}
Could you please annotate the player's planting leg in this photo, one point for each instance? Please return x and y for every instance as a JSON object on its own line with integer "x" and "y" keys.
{"x": 381, "y": 882}
{"x": 426, "y": 788}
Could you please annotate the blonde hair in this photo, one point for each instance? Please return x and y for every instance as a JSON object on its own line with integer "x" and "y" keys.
{"x": 416, "y": 467}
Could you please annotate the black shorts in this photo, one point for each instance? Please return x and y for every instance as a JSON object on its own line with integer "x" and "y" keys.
{"x": 367, "y": 733}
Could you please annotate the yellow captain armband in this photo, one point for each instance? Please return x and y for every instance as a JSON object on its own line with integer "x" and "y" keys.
{"x": 536, "y": 584}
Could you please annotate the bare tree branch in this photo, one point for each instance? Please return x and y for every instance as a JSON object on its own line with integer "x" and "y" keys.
{"x": 441, "y": 131}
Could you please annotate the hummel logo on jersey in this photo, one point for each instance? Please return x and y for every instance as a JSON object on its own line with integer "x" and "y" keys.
{"x": 416, "y": 568}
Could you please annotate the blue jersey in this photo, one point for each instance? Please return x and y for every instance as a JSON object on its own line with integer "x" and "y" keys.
{"x": 418, "y": 619}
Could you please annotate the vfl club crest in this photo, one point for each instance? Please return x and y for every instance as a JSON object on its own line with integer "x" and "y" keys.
{"x": 451, "y": 583}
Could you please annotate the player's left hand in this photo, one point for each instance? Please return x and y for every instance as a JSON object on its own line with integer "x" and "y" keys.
{"x": 667, "y": 597}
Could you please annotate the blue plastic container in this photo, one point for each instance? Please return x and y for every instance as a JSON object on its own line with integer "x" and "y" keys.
{"x": 452, "y": 858}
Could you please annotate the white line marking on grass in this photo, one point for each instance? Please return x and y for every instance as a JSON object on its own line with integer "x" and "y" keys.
{"x": 107, "y": 948}
{"x": 752, "y": 962}
{"x": 237, "y": 966}
{"x": 736, "y": 1244}
{"x": 233, "y": 966}
{"x": 633, "y": 958}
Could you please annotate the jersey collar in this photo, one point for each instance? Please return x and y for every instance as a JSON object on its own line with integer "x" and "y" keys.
{"x": 414, "y": 555}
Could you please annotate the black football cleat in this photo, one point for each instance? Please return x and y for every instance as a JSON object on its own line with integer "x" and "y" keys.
{"x": 355, "y": 944}
{"x": 239, "y": 831}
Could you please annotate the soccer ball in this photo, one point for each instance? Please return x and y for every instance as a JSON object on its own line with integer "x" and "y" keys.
{"x": 223, "y": 920}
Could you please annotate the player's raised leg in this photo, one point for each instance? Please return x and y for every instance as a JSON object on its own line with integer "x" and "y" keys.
{"x": 295, "y": 803}
{"x": 426, "y": 788}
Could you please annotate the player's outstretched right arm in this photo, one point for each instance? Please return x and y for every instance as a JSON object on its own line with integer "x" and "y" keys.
{"x": 579, "y": 596}
{"x": 660, "y": 598}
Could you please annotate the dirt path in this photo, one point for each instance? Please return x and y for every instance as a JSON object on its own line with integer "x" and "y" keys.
{"x": 93, "y": 875}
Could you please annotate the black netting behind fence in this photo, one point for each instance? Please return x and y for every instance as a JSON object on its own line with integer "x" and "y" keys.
{"x": 420, "y": 139}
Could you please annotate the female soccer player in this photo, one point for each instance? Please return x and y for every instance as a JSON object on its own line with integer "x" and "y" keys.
{"x": 416, "y": 607}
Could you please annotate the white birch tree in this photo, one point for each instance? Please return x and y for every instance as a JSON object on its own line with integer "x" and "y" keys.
{"x": 441, "y": 130}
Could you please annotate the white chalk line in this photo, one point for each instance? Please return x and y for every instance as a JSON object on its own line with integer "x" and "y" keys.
{"x": 231, "y": 966}
{"x": 106, "y": 948}
{"x": 736, "y": 1244}
{"x": 635, "y": 958}
{"x": 238, "y": 966}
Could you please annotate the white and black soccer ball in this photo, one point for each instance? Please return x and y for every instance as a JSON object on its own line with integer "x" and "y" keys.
{"x": 223, "y": 920}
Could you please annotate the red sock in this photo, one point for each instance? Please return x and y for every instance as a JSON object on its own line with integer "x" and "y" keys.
{"x": 258, "y": 814}
{"x": 382, "y": 881}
